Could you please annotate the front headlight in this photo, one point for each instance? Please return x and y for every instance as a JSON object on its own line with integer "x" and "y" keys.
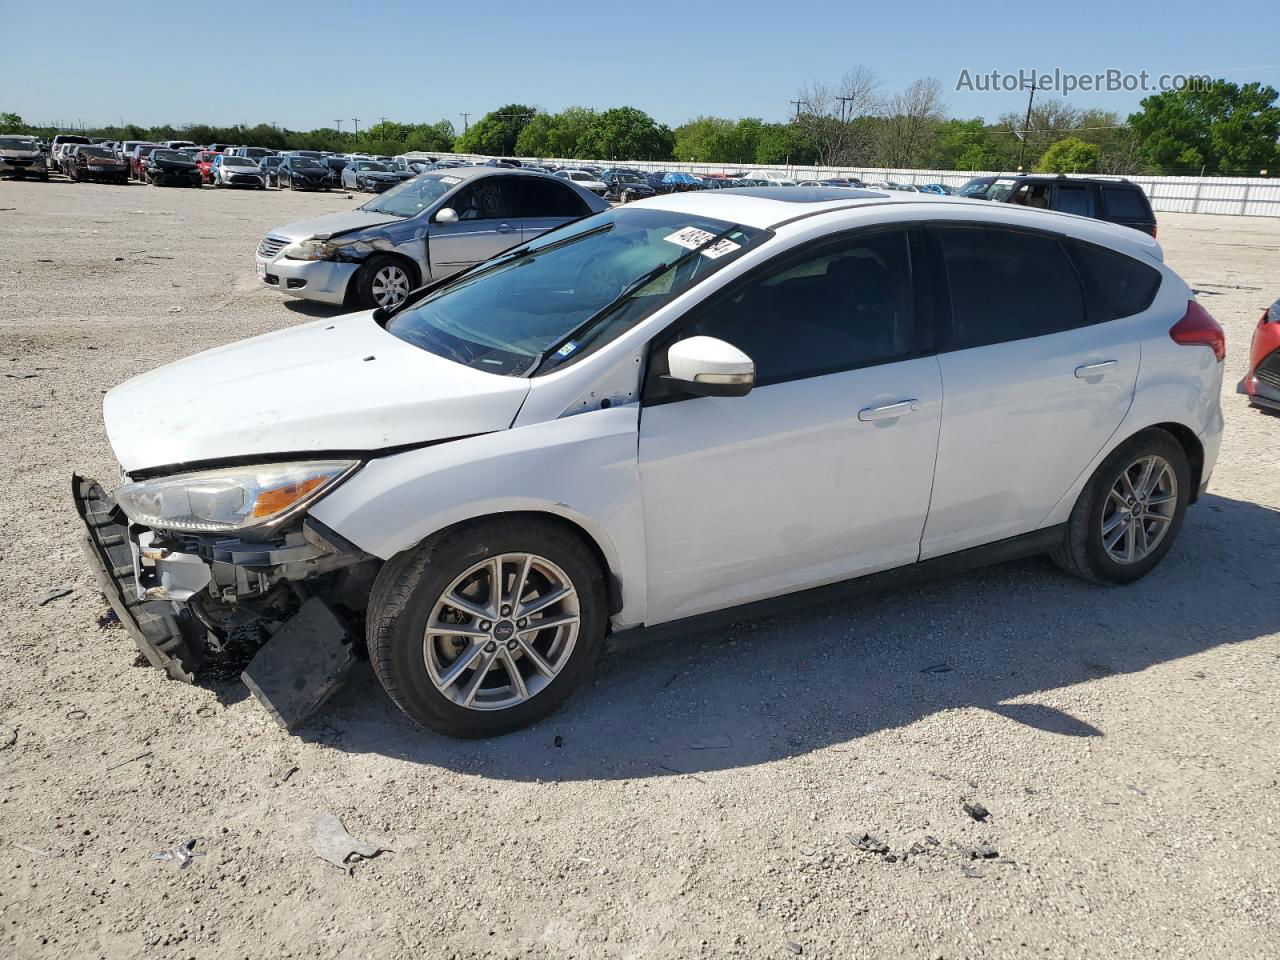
{"x": 232, "y": 499}
{"x": 307, "y": 250}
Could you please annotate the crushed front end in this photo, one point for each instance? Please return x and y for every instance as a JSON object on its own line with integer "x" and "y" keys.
{"x": 201, "y": 605}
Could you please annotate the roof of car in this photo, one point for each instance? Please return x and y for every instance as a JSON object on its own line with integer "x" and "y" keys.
{"x": 774, "y": 207}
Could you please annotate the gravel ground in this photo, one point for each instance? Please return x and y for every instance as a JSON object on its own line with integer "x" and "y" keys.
{"x": 699, "y": 799}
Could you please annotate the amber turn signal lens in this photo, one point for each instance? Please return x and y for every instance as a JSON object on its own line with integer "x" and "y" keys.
{"x": 275, "y": 500}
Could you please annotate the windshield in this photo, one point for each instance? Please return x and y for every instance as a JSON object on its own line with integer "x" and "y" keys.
{"x": 16, "y": 143}
{"x": 96, "y": 152}
{"x": 168, "y": 155}
{"x": 413, "y": 196}
{"x": 237, "y": 162}
{"x": 303, "y": 162}
{"x": 571, "y": 290}
{"x": 369, "y": 165}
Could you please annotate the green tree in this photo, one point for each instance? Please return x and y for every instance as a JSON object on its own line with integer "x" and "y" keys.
{"x": 625, "y": 133}
{"x": 784, "y": 143}
{"x": 1225, "y": 128}
{"x": 495, "y": 134}
{"x": 1070, "y": 155}
{"x": 555, "y": 134}
{"x": 973, "y": 145}
{"x": 11, "y": 123}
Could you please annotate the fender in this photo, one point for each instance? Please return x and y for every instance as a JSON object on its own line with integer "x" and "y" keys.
{"x": 581, "y": 468}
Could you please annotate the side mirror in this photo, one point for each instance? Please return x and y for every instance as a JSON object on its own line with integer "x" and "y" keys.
{"x": 711, "y": 368}
{"x": 446, "y": 215}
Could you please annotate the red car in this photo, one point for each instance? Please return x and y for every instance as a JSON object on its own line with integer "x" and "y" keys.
{"x": 1262, "y": 383}
{"x": 204, "y": 160}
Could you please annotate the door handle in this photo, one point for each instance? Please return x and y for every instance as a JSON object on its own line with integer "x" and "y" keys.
{"x": 890, "y": 412}
{"x": 1095, "y": 369}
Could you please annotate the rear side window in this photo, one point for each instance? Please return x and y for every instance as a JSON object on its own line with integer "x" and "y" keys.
{"x": 546, "y": 198}
{"x": 1128, "y": 202}
{"x": 1073, "y": 199}
{"x": 1008, "y": 285}
{"x": 1120, "y": 286}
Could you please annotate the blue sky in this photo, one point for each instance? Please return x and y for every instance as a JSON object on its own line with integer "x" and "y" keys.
{"x": 304, "y": 63}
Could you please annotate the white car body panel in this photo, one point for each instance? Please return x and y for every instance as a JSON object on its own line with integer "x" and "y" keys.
{"x": 330, "y": 385}
{"x": 797, "y": 460}
{"x": 581, "y": 468}
{"x": 1017, "y": 425}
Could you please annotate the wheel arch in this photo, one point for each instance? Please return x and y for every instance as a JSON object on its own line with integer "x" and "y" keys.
{"x": 1191, "y": 446}
{"x": 415, "y": 273}
{"x": 574, "y": 526}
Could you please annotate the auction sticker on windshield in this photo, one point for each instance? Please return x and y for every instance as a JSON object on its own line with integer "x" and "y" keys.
{"x": 691, "y": 238}
{"x": 450, "y": 180}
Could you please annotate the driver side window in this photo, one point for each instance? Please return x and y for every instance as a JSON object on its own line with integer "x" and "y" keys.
{"x": 492, "y": 198}
{"x": 838, "y": 305}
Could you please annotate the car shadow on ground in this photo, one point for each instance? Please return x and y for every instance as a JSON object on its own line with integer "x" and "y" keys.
{"x": 763, "y": 690}
{"x": 314, "y": 310}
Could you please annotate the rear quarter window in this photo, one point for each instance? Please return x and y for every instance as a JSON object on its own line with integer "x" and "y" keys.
{"x": 1128, "y": 202}
{"x": 1119, "y": 285}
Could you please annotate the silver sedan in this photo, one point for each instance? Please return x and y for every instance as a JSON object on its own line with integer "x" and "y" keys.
{"x": 425, "y": 229}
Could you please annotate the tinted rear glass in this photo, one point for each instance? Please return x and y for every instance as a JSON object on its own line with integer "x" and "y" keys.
{"x": 1008, "y": 285}
{"x": 1128, "y": 202}
{"x": 1122, "y": 286}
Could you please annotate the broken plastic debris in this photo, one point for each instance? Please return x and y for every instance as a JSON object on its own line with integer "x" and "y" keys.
{"x": 330, "y": 840}
{"x": 869, "y": 843}
{"x": 976, "y": 810}
{"x": 50, "y": 595}
{"x": 184, "y": 853}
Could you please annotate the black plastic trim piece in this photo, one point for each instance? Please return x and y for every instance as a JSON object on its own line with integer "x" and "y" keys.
{"x": 1002, "y": 551}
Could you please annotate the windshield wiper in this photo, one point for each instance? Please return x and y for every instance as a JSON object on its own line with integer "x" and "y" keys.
{"x": 637, "y": 284}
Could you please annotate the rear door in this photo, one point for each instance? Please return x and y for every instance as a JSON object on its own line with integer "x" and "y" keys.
{"x": 546, "y": 204}
{"x": 1035, "y": 382}
{"x": 488, "y": 223}
{"x": 1074, "y": 198}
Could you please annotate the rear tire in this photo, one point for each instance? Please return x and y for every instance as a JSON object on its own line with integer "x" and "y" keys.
{"x": 509, "y": 671}
{"x": 1106, "y": 522}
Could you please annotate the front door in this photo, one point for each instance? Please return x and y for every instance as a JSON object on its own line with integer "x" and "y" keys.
{"x": 488, "y": 223}
{"x": 823, "y": 471}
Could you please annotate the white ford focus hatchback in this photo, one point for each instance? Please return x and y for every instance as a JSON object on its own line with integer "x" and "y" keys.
{"x": 674, "y": 408}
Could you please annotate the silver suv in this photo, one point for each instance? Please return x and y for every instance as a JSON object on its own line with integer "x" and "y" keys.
{"x": 20, "y": 156}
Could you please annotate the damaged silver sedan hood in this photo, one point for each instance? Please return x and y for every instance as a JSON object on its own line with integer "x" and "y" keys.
{"x": 330, "y": 224}
{"x": 331, "y": 385}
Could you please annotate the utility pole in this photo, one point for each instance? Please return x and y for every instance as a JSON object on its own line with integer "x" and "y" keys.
{"x": 796, "y": 103}
{"x": 844, "y": 102}
{"x": 384, "y": 121}
{"x": 356, "y": 121}
{"x": 465, "y": 124}
{"x": 1026, "y": 129}
{"x": 339, "y": 123}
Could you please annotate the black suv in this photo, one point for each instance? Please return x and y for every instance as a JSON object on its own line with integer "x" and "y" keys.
{"x": 1114, "y": 200}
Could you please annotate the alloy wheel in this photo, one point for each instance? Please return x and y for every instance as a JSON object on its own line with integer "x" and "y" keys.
{"x": 390, "y": 285}
{"x": 501, "y": 632}
{"x": 1139, "y": 510}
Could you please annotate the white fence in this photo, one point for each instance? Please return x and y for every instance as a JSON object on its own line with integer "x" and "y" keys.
{"x": 1238, "y": 196}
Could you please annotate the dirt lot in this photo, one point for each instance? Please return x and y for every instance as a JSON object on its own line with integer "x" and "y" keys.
{"x": 699, "y": 799}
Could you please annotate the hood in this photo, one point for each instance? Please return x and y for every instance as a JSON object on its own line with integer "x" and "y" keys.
{"x": 327, "y": 386}
{"x": 166, "y": 164}
{"x": 331, "y": 224}
{"x": 19, "y": 154}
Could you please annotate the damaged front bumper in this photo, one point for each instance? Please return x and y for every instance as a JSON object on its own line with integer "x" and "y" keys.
{"x": 192, "y": 602}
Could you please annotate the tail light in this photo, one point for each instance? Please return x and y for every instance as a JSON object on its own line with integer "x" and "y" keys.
{"x": 1198, "y": 329}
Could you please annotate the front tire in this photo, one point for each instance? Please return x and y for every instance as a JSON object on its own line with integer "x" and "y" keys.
{"x": 383, "y": 282}
{"x": 1129, "y": 513}
{"x": 488, "y": 627}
